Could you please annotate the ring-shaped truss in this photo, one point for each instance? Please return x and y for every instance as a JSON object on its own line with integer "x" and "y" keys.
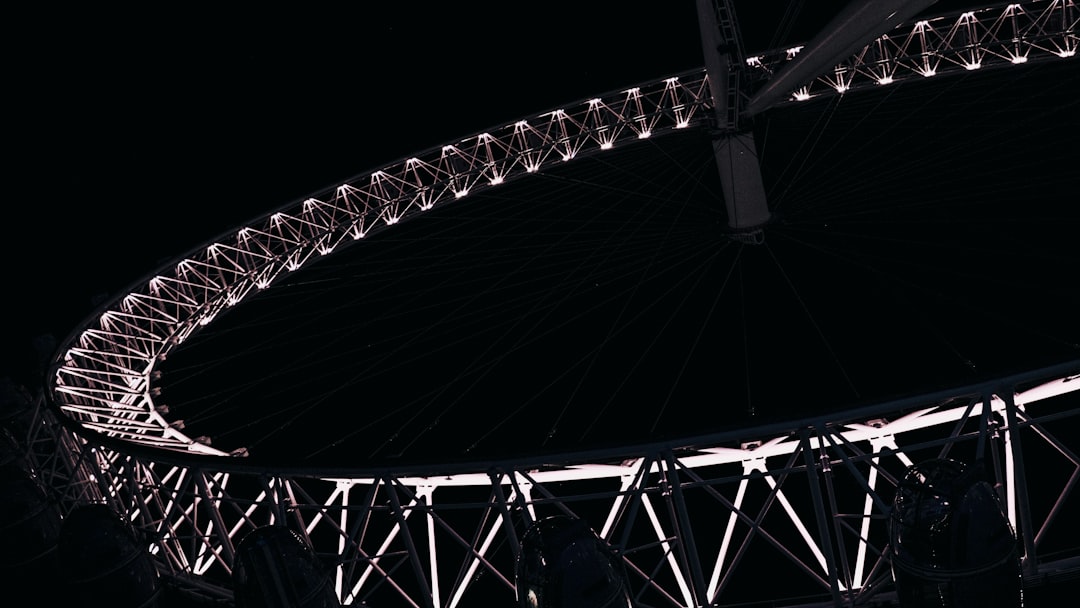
{"x": 104, "y": 378}
{"x": 691, "y": 520}
{"x": 443, "y": 536}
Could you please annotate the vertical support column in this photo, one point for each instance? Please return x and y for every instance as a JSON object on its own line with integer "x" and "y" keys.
{"x": 685, "y": 531}
{"x": 401, "y": 518}
{"x": 735, "y": 149}
{"x": 343, "y": 488}
{"x": 819, "y": 512}
{"x": 271, "y": 486}
{"x": 720, "y": 47}
{"x": 1018, "y": 480}
{"x": 425, "y": 496}
{"x": 203, "y": 488}
{"x": 743, "y": 189}
{"x": 504, "y": 508}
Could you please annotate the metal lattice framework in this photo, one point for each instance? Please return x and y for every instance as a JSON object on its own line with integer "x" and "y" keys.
{"x": 814, "y": 494}
{"x": 103, "y": 437}
{"x": 104, "y": 379}
{"x": 962, "y": 42}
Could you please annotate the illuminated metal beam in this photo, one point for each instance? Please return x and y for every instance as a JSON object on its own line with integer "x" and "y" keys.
{"x": 855, "y": 25}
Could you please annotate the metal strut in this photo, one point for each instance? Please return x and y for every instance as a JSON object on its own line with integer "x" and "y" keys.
{"x": 734, "y": 147}
{"x": 725, "y": 60}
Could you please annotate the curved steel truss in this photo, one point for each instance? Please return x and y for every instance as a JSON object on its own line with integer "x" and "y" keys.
{"x": 690, "y": 520}
{"x": 949, "y": 44}
{"x": 104, "y": 378}
{"x": 682, "y": 517}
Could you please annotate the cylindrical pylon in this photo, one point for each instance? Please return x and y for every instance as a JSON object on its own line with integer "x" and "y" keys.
{"x": 740, "y": 177}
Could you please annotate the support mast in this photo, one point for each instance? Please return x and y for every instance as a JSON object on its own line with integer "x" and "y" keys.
{"x": 734, "y": 146}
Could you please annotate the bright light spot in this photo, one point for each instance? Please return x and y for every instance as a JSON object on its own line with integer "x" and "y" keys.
{"x": 840, "y": 88}
{"x": 972, "y": 66}
{"x": 412, "y": 161}
{"x": 447, "y": 148}
{"x": 633, "y": 91}
{"x": 567, "y": 157}
{"x": 754, "y": 62}
{"x": 682, "y": 124}
{"x": 968, "y": 15}
{"x": 459, "y": 193}
{"x": 531, "y": 168}
{"x": 928, "y": 73}
{"x": 594, "y": 102}
{"x": 921, "y": 25}
{"x": 1066, "y": 53}
{"x": 378, "y": 175}
{"x": 485, "y": 137}
{"x": 671, "y": 80}
{"x": 1019, "y": 59}
{"x": 606, "y": 145}
{"x": 559, "y": 112}
{"x": 495, "y": 181}
{"x": 885, "y": 80}
{"x": 793, "y": 51}
{"x": 801, "y": 95}
{"x": 644, "y": 134}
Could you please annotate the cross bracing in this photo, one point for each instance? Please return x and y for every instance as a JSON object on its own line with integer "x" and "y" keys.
{"x": 102, "y": 383}
{"x": 688, "y": 519}
{"x": 104, "y": 370}
{"x": 103, "y": 377}
{"x": 949, "y": 44}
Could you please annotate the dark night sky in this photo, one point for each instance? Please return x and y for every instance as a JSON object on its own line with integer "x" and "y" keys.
{"x": 140, "y": 135}
{"x": 135, "y": 135}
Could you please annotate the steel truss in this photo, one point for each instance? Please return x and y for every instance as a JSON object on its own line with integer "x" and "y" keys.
{"x": 690, "y": 520}
{"x": 949, "y": 44}
{"x": 103, "y": 437}
{"x": 105, "y": 377}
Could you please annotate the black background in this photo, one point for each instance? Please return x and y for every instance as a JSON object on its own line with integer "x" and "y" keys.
{"x": 137, "y": 134}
